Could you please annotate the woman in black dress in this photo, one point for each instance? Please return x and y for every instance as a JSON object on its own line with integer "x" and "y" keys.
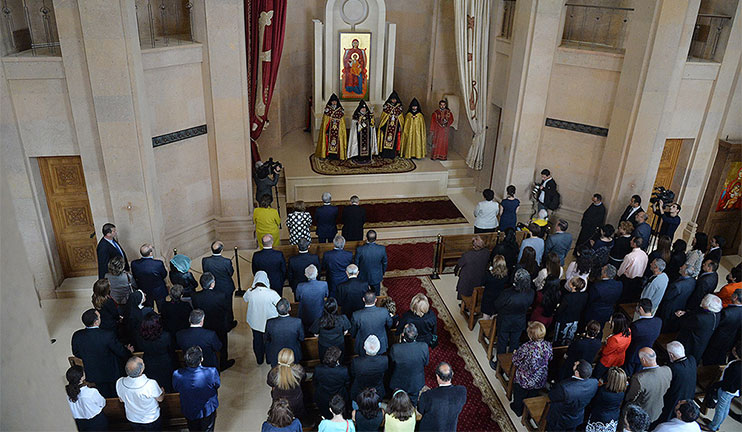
{"x": 605, "y": 407}
{"x": 621, "y": 244}
{"x": 105, "y": 305}
{"x": 508, "y": 248}
{"x": 285, "y": 381}
{"x": 528, "y": 262}
{"x": 330, "y": 378}
{"x": 175, "y": 312}
{"x": 424, "y": 319}
{"x": 584, "y": 347}
{"x": 135, "y": 313}
{"x": 677, "y": 259}
{"x": 494, "y": 283}
{"x": 366, "y": 412}
{"x": 331, "y": 328}
{"x": 159, "y": 351}
{"x": 568, "y": 313}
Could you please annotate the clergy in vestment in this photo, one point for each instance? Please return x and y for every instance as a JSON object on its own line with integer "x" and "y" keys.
{"x": 414, "y": 138}
{"x": 592, "y": 218}
{"x": 332, "y": 141}
{"x": 440, "y": 126}
{"x": 362, "y": 138}
{"x": 390, "y": 127}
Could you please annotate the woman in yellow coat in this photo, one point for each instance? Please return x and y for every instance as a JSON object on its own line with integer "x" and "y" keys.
{"x": 267, "y": 221}
{"x": 414, "y": 135}
{"x": 332, "y": 140}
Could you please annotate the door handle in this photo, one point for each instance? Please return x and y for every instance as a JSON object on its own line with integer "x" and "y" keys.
{"x": 92, "y": 235}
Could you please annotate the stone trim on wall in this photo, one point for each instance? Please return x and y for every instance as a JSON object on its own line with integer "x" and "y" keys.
{"x": 180, "y": 135}
{"x": 576, "y": 127}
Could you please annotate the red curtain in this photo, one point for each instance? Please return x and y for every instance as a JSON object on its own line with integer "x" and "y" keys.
{"x": 265, "y": 22}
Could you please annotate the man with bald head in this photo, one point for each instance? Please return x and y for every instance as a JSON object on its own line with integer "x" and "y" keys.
{"x": 150, "y": 275}
{"x": 222, "y": 270}
{"x": 272, "y": 262}
{"x": 441, "y": 406}
{"x": 647, "y": 387}
{"x": 349, "y": 294}
{"x": 141, "y": 397}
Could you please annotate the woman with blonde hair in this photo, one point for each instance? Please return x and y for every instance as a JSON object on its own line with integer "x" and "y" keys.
{"x": 285, "y": 380}
{"x": 606, "y": 405}
{"x": 424, "y": 319}
{"x": 531, "y": 361}
{"x": 494, "y": 282}
{"x": 105, "y": 305}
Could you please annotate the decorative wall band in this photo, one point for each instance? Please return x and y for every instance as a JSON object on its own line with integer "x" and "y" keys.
{"x": 576, "y": 127}
{"x": 178, "y": 135}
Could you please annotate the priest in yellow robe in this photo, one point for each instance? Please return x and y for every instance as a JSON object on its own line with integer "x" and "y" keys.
{"x": 332, "y": 140}
{"x": 414, "y": 135}
{"x": 390, "y": 127}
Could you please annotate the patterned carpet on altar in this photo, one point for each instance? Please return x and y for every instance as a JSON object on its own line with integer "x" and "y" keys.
{"x": 377, "y": 165}
{"x": 401, "y": 212}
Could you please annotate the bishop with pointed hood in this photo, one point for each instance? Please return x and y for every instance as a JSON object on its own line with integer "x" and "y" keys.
{"x": 414, "y": 134}
{"x": 332, "y": 141}
{"x": 362, "y": 138}
{"x": 390, "y": 127}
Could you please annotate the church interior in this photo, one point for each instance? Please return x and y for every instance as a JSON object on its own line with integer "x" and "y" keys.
{"x": 151, "y": 115}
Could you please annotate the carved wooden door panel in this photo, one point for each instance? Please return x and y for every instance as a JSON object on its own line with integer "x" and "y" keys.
{"x": 69, "y": 208}
{"x": 666, "y": 170}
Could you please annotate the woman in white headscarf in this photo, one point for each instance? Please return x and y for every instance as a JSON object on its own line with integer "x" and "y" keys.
{"x": 261, "y": 306}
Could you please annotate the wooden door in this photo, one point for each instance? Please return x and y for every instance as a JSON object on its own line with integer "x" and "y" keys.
{"x": 666, "y": 170}
{"x": 69, "y": 208}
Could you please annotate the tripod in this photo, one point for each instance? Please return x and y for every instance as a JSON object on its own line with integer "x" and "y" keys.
{"x": 654, "y": 233}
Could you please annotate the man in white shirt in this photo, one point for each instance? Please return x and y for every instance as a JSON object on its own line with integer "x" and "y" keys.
{"x": 686, "y": 413}
{"x": 486, "y": 212}
{"x": 635, "y": 262}
{"x": 141, "y": 397}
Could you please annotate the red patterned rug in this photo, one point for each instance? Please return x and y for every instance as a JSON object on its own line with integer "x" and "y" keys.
{"x": 409, "y": 259}
{"x": 483, "y": 410}
{"x": 399, "y": 212}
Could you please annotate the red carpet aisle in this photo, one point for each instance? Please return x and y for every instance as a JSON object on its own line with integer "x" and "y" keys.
{"x": 483, "y": 410}
{"x": 409, "y": 257}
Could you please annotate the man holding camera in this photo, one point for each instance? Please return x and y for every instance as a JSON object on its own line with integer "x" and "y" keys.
{"x": 266, "y": 176}
{"x": 669, "y": 216}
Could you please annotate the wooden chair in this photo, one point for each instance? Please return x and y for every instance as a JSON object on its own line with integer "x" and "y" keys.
{"x": 294, "y": 311}
{"x": 504, "y": 372}
{"x": 471, "y": 306}
{"x": 487, "y": 331}
{"x": 535, "y": 410}
{"x": 706, "y": 376}
{"x": 310, "y": 352}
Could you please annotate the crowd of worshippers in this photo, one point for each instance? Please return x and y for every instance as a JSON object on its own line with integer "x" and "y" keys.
{"x": 610, "y": 370}
{"x": 379, "y": 380}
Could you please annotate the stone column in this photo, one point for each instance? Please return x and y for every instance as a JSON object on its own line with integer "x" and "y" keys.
{"x": 220, "y": 26}
{"x": 658, "y": 40}
{"x": 535, "y": 38}
{"x": 117, "y": 88}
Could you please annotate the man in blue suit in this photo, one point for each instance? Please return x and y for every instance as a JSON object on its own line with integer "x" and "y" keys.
{"x": 603, "y": 296}
{"x": 272, "y": 262}
{"x": 311, "y": 297}
{"x": 644, "y": 331}
{"x": 372, "y": 261}
{"x": 335, "y": 262}
{"x": 150, "y": 275}
{"x": 282, "y": 332}
{"x": 222, "y": 270}
{"x": 299, "y": 263}
{"x": 560, "y": 242}
{"x": 371, "y": 320}
{"x": 349, "y": 294}
{"x": 675, "y": 299}
{"x": 109, "y": 247}
{"x": 326, "y": 219}
{"x": 198, "y": 387}
{"x": 570, "y": 397}
{"x": 196, "y": 335}
{"x": 642, "y": 229}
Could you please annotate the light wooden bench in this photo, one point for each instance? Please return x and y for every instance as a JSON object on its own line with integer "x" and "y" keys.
{"x": 535, "y": 410}
{"x": 452, "y": 247}
{"x": 471, "y": 306}
{"x": 487, "y": 332}
{"x": 504, "y": 372}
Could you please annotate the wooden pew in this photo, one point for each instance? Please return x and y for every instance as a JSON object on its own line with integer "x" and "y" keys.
{"x": 454, "y": 246}
{"x": 534, "y": 413}
{"x": 172, "y": 418}
{"x": 504, "y": 372}
{"x": 318, "y": 249}
{"x": 628, "y": 309}
{"x": 471, "y": 306}
{"x": 487, "y": 331}
{"x": 555, "y": 365}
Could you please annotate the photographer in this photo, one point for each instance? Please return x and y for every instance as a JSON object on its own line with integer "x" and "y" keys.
{"x": 669, "y": 216}
{"x": 266, "y": 176}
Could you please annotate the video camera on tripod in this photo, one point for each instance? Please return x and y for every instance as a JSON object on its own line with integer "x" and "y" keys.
{"x": 661, "y": 194}
{"x": 268, "y": 167}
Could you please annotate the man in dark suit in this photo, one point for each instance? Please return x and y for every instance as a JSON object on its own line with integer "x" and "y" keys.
{"x": 109, "y": 247}
{"x": 299, "y": 263}
{"x": 372, "y": 261}
{"x": 282, "y": 332}
{"x": 547, "y": 195}
{"x": 217, "y": 315}
{"x": 325, "y": 217}
{"x": 311, "y": 297}
{"x": 683, "y": 384}
{"x": 603, "y": 296}
{"x": 675, "y": 298}
{"x": 705, "y": 284}
{"x": 642, "y": 229}
{"x": 697, "y": 328}
{"x": 335, "y": 262}
{"x": 368, "y": 370}
{"x": 570, "y": 397}
{"x": 102, "y": 355}
{"x": 727, "y": 333}
{"x": 631, "y": 210}
{"x": 644, "y": 331}
{"x": 354, "y": 217}
{"x": 196, "y": 335}
{"x": 408, "y": 359}
{"x": 222, "y": 270}
{"x": 592, "y": 219}
{"x": 150, "y": 275}
{"x": 716, "y": 244}
{"x": 441, "y": 406}
{"x": 272, "y": 262}
{"x": 371, "y": 320}
{"x": 349, "y": 294}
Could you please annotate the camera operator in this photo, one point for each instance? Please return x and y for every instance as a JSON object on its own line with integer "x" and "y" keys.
{"x": 668, "y": 213}
{"x": 266, "y": 176}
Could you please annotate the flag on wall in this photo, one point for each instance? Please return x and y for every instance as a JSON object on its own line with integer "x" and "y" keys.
{"x": 265, "y": 25}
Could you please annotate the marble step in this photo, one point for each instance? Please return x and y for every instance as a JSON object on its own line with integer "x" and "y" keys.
{"x": 460, "y": 182}
{"x": 458, "y": 173}
{"x": 454, "y": 163}
{"x": 461, "y": 190}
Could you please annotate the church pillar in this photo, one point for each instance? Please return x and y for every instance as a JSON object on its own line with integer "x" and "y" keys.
{"x": 536, "y": 36}
{"x": 657, "y": 44}
{"x": 219, "y": 25}
{"x": 114, "y": 66}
